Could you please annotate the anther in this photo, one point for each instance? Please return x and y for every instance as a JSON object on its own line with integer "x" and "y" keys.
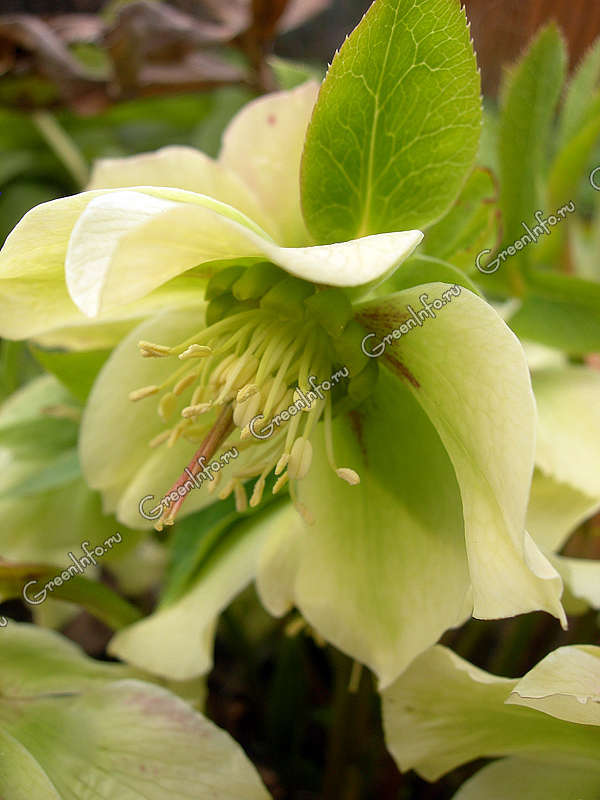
{"x": 195, "y": 351}
{"x": 166, "y": 406}
{"x": 348, "y": 475}
{"x": 145, "y": 391}
{"x": 151, "y": 350}
{"x": 195, "y": 411}
{"x": 300, "y": 458}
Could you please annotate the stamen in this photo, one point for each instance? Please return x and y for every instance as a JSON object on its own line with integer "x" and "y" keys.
{"x": 184, "y": 383}
{"x": 145, "y": 391}
{"x": 257, "y": 492}
{"x": 151, "y": 350}
{"x": 348, "y": 475}
{"x": 300, "y": 458}
{"x": 282, "y": 463}
{"x": 166, "y": 406}
{"x": 280, "y": 483}
{"x": 162, "y": 437}
{"x": 241, "y": 500}
{"x": 195, "y": 411}
{"x": 195, "y": 351}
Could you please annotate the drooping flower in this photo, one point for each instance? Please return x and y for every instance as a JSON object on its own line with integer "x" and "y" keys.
{"x": 545, "y": 728}
{"x": 411, "y": 474}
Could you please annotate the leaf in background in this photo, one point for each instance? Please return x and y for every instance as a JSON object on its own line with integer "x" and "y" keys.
{"x": 397, "y": 123}
{"x": 572, "y": 160}
{"x": 59, "y": 471}
{"x": 530, "y": 96}
{"x": 582, "y": 91}
{"x": 197, "y": 537}
{"x": 76, "y": 371}
{"x": 422, "y": 269}
{"x": 97, "y": 598}
{"x": 560, "y": 311}
{"x": 471, "y": 225}
{"x": 70, "y": 725}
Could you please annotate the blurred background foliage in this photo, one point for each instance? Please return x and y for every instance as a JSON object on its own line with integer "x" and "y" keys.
{"x": 81, "y": 80}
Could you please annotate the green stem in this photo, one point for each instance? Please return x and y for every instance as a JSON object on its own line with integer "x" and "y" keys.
{"x": 63, "y": 146}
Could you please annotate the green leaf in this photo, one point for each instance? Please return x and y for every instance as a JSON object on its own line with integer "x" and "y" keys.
{"x": 560, "y": 311}
{"x": 396, "y": 125}
{"x": 198, "y": 536}
{"x": 97, "y": 598}
{"x": 581, "y": 92}
{"x": 425, "y": 269}
{"x": 76, "y": 371}
{"x": 571, "y": 161}
{"x": 530, "y": 98}
{"x": 471, "y": 225}
{"x": 71, "y": 727}
{"x": 60, "y": 471}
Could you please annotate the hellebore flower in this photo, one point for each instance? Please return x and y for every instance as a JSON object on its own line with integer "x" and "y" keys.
{"x": 443, "y": 712}
{"x": 565, "y": 489}
{"x": 411, "y": 474}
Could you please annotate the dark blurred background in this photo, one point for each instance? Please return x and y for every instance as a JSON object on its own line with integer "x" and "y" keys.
{"x": 501, "y": 28}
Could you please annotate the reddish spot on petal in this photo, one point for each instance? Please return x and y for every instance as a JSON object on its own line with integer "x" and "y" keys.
{"x": 271, "y": 119}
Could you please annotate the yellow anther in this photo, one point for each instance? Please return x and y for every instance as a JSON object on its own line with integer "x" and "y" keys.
{"x": 162, "y": 437}
{"x": 282, "y": 463}
{"x": 183, "y": 384}
{"x": 300, "y": 458}
{"x": 226, "y": 490}
{"x": 241, "y": 500}
{"x": 151, "y": 350}
{"x": 245, "y": 433}
{"x": 246, "y": 392}
{"x": 174, "y": 435}
{"x": 348, "y": 475}
{"x": 305, "y": 513}
{"x": 244, "y": 412}
{"x": 257, "y": 492}
{"x": 195, "y": 411}
{"x": 145, "y": 391}
{"x": 166, "y": 406}
{"x": 280, "y": 483}
{"x": 195, "y": 351}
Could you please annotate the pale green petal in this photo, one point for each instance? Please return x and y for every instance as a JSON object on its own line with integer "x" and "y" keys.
{"x": 555, "y": 510}
{"x": 177, "y": 641}
{"x": 444, "y": 712}
{"x": 127, "y": 243}
{"x": 34, "y": 299}
{"x": 582, "y": 580}
{"x": 568, "y": 445}
{"x": 565, "y": 684}
{"x": 180, "y": 167}
{"x": 384, "y": 553}
{"x": 115, "y": 432}
{"x": 469, "y": 373}
{"x": 508, "y": 777}
{"x": 263, "y": 144}
{"x": 70, "y": 726}
{"x": 33, "y": 295}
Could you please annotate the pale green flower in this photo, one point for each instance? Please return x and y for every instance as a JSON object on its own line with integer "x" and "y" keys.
{"x": 443, "y": 712}
{"x": 411, "y": 477}
{"x": 565, "y": 489}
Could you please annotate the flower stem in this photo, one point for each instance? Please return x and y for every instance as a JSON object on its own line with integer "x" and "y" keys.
{"x": 63, "y": 146}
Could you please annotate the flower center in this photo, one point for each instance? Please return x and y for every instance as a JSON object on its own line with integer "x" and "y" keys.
{"x": 268, "y": 365}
